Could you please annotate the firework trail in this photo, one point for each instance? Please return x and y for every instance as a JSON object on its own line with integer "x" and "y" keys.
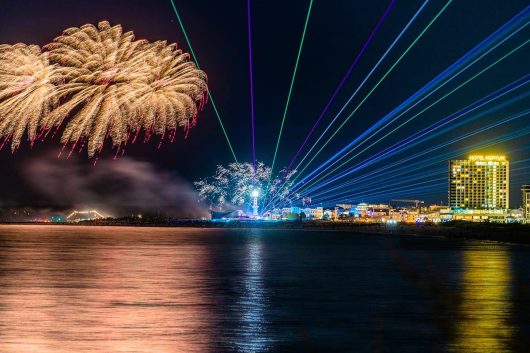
{"x": 28, "y": 91}
{"x": 114, "y": 86}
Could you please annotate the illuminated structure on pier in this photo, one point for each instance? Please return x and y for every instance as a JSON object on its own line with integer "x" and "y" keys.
{"x": 255, "y": 206}
{"x": 79, "y": 216}
{"x": 480, "y": 182}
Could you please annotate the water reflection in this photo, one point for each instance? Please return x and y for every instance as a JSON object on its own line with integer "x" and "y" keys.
{"x": 60, "y": 294}
{"x": 483, "y": 323}
{"x": 253, "y": 336}
{"x": 99, "y": 290}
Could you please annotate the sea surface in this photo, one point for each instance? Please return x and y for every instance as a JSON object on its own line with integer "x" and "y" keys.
{"x": 160, "y": 290}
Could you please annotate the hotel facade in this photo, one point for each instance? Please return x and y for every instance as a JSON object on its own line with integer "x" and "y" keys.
{"x": 479, "y": 182}
{"x": 526, "y": 201}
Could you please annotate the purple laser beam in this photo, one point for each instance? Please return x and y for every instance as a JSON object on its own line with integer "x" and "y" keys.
{"x": 251, "y": 85}
{"x": 344, "y": 79}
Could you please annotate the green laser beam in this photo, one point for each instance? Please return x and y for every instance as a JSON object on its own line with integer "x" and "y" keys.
{"x": 377, "y": 85}
{"x": 292, "y": 84}
{"x": 376, "y": 183}
{"x": 214, "y": 106}
{"x": 308, "y": 15}
{"x": 408, "y": 169}
{"x": 414, "y": 116}
{"x": 417, "y": 190}
{"x": 373, "y": 89}
{"x": 385, "y": 188}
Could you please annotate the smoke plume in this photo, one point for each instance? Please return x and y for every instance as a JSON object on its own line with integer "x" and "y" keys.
{"x": 117, "y": 187}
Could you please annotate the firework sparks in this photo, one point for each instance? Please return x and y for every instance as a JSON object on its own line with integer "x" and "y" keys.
{"x": 233, "y": 185}
{"x": 169, "y": 98}
{"x": 116, "y": 85}
{"x": 28, "y": 91}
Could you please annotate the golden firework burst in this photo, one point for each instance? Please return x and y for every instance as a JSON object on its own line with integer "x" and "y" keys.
{"x": 116, "y": 85}
{"x": 28, "y": 91}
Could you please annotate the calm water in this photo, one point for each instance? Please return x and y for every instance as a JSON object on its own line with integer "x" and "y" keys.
{"x": 81, "y": 289}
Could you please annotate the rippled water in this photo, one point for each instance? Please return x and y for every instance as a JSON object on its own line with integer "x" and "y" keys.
{"x": 103, "y": 289}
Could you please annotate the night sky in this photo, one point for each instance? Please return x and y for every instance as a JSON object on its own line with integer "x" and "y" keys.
{"x": 336, "y": 32}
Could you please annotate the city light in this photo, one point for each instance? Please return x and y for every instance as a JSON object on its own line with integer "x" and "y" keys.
{"x": 487, "y": 158}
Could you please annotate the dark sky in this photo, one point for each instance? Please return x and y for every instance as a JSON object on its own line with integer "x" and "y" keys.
{"x": 336, "y": 32}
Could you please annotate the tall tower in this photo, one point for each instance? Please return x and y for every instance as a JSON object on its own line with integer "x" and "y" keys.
{"x": 526, "y": 201}
{"x": 479, "y": 182}
{"x": 255, "y": 194}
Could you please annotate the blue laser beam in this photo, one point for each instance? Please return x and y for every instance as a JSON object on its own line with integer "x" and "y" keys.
{"x": 523, "y": 17}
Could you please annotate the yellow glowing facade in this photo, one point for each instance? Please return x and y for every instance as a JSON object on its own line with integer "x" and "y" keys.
{"x": 479, "y": 182}
{"x": 526, "y": 201}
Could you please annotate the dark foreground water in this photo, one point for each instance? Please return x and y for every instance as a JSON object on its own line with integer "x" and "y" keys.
{"x": 88, "y": 289}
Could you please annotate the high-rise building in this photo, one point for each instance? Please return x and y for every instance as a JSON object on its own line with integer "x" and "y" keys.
{"x": 479, "y": 182}
{"x": 526, "y": 201}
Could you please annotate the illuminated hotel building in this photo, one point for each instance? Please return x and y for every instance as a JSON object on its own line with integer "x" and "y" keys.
{"x": 480, "y": 182}
{"x": 526, "y": 201}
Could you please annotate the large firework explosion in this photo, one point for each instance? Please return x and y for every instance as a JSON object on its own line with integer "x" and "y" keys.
{"x": 169, "y": 97}
{"x": 232, "y": 186}
{"x": 28, "y": 91}
{"x": 109, "y": 85}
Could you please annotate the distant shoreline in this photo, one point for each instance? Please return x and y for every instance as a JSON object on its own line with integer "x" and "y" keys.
{"x": 506, "y": 233}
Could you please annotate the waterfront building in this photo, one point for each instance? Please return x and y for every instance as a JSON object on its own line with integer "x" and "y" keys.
{"x": 479, "y": 182}
{"x": 526, "y": 201}
{"x": 317, "y": 213}
{"x": 377, "y": 210}
{"x": 275, "y": 214}
{"x": 328, "y": 214}
{"x": 479, "y": 215}
{"x": 360, "y": 210}
{"x": 306, "y": 211}
{"x": 295, "y": 210}
{"x": 339, "y": 212}
{"x": 370, "y": 212}
{"x": 488, "y": 216}
{"x": 446, "y": 214}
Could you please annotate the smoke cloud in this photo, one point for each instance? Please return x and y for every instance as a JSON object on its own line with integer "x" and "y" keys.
{"x": 117, "y": 187}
